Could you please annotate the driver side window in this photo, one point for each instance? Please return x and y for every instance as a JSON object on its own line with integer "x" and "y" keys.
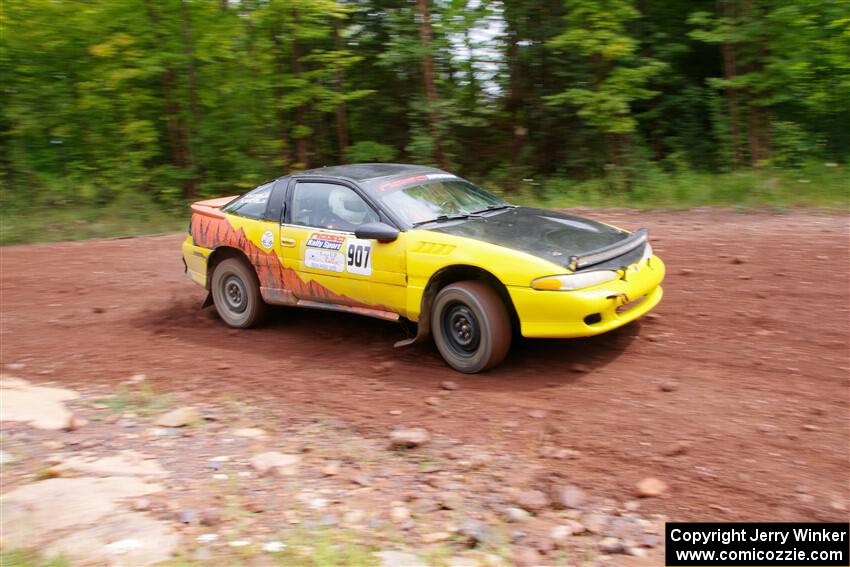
{"x": 326, "y": 205}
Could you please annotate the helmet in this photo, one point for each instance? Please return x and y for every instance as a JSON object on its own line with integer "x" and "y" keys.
{"x": 346, "y": 205}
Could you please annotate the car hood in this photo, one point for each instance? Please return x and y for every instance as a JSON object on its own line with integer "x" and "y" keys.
{"x": 549, "y": 235}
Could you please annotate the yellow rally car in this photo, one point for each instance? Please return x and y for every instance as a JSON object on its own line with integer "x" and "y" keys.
{"x": 423, "y": 247}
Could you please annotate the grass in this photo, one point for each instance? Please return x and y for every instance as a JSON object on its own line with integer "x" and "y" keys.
{"x": 78, "y": 221}
{"x": 141, "y": 399}
{"x": 822, "y": 186}
{"x": 28, "y": 558}
{"x": 328, "y": 547}
{"x": 315, "y": 548}
{"x": 818, "y": 185}
{"x": 303, "y": 548}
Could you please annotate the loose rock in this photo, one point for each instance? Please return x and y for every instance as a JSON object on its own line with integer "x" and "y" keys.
{"x": 611, "y": 545}
{"x": 436, "y": 537}
{"x": 570, "y": 497}
{"x": 559, "y": 534}
{"x": 650, "y": 487}
{"x": 188, "y": 516}
{"x": 353, "y": 517}
{"x": 273, "y": 546}
{"x": 514, "y": 514}
{"x": 210, "y": 517}
{"x": 449, "y": 385}
{"x": 331, "y": 469}
{"x": 274, "y": 462}
{"x": 40, "y": 407}
{"x": 594, "y": 523}
{"x": 125, "y": 463}
{"x": 409, "y": 438}
{"x": 527, "y": 557}
{"x": 399, "y": 514}
{"x": 179, "y": 417}
{"x": 129, "y": 539}
{"x": 478, "y": 533}
{"x": 532, "y": 500}
{"x": 393, "y": 558}
{"x": 33, "y": 511}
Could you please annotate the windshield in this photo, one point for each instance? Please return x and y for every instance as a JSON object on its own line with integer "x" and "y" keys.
{"x": 440, "y": 200}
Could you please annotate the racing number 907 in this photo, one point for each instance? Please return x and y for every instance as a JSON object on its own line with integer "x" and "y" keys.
{"x": 359, "y": 257}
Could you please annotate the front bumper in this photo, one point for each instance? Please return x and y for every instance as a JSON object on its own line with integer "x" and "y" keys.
{"x": 590, "y": 311}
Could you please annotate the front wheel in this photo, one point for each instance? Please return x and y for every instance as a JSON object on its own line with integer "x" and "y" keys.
{"x": 471, "y": 326}
{"x": 236, "y": 294}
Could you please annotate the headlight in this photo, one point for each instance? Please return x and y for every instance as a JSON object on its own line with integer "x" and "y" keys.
{"x": 647, "y": 252}
{"x": 570, "y": 282}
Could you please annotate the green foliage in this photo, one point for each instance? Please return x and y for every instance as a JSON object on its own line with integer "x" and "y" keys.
{"x": 368, "y": 151}
{"x": 114, "y": 114}
{"x": 616, "y": 75}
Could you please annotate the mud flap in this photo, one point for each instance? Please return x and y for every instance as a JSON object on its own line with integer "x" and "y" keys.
{"x": 417, "y": 332}
{"x": 208, "y": 301}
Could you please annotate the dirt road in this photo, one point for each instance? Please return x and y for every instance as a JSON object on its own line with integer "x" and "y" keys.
{"x": 735, "y": 393}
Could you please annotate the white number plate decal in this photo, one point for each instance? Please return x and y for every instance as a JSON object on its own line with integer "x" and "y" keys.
{"x": 359, "y": 256}
{"x": 329, "y": 260}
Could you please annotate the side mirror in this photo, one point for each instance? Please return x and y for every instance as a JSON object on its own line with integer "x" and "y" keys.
{"x": 376, "y": 231}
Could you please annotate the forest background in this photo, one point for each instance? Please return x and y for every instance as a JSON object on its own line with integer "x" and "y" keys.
{"x": 117, "y": 113}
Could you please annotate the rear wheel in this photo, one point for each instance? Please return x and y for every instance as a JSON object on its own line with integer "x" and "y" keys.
{"x": 471, "y": 326}
{"x": 236, "y": 294}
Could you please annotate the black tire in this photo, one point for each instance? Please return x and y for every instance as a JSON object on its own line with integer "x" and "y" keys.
{"x": 236, "y": 294}
{"x": 471, "y": 326}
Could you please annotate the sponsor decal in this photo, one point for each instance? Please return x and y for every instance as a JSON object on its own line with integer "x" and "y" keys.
{"x": 416, "y": 179}
{"x": 267, "y": 240}
{"x": 328, "y": 260}
{"x": 358, "y": 258}
{"x": 325, "y": 241}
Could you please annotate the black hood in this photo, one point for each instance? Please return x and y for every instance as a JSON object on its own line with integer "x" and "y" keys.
{"x": 546, "y": 234}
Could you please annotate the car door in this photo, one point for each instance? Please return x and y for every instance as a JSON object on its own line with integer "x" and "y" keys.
{"x": 331, "y": 264}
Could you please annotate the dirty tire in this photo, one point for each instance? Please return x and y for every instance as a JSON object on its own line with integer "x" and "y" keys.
{"x": 471, "y": 326}
{"x": 236, "y": 294}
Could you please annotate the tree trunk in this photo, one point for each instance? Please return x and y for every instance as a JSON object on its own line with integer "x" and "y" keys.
{"x": 181, "y": 154}
{"x": 282, "y": 122}
{"x": 427, "y": 64}
{"x": 341, "y": 111}
{"x": 730, "y": 72}
{"x": 302, "y": 154}
{"x": 194, "y": 106}
{"x": 753, "y": 129}
{"x": 766, "y": 134}
{"x": 513, "y": 103}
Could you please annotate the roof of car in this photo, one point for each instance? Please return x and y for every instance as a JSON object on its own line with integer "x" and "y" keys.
{"x": 360, "y": 172}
